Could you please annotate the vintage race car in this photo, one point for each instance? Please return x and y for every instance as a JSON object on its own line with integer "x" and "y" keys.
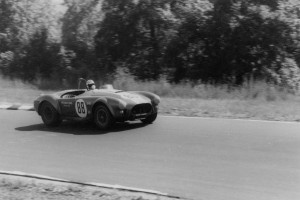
{"x": 103, "y": 106}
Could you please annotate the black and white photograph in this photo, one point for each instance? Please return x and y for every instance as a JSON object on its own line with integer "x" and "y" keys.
{"x": 149, "y": 99}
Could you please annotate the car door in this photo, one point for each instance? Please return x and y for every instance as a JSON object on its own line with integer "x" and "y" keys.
{"x": 67, "y": 107}
{"x": 80, "y": 107}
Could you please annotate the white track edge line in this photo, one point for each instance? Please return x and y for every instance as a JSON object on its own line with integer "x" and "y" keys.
{"x": 5, "y": 106}
{"x": 236, "y": 119}
{"x": 25, "y": 107}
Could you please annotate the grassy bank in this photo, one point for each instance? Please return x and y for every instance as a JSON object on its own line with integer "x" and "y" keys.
{"x": 257, "y": 100}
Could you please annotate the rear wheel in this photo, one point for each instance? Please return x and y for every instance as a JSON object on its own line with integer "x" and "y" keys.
{"x": 49, "y": 115}
{"x": 151, "y": 118}
{"x": 102, "y": 117}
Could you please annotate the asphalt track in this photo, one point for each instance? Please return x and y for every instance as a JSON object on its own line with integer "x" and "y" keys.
{"x": 209, "y": 159}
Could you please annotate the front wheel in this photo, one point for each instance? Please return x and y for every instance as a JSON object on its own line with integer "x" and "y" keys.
{"x": 151, "y": 118}
{"x": 102, "y": 117}
{"x": 49, "y": 115}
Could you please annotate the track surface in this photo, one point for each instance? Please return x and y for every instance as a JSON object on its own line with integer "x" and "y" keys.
{"x": 207, "y": 159}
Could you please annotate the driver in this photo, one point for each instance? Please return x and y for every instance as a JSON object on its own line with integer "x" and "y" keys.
{"x": 90, "y": 85}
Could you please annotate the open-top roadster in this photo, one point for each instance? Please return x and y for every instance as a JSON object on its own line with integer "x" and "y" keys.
{"x": 103, "y": 106}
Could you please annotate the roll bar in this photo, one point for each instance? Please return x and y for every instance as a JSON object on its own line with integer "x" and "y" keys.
{"x": 79, "y": 82}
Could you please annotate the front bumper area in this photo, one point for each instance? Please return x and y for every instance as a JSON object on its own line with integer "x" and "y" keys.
{"x": 139, "y": 111}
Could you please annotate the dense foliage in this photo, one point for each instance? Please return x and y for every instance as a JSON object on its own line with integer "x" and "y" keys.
{"x": 215, "y": 41}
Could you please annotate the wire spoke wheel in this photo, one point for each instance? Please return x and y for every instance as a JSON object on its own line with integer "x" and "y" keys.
{"x": 49, "y": 115}
{"x": 102, "y": 117}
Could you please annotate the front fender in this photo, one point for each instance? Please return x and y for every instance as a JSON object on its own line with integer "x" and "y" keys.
{"x": 113, "y": 104}
{"x": 155, "y": 99}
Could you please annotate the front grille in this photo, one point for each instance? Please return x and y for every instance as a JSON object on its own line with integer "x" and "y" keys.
{"x": 141, "y": 109}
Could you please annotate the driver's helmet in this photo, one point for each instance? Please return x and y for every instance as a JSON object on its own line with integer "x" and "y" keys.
{"x": 90, "y": 85}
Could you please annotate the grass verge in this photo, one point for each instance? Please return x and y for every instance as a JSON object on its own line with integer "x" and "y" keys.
{"x": 253, "y": 101}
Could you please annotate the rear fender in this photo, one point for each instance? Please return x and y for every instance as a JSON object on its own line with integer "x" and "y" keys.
{"x": 51, "y": 99}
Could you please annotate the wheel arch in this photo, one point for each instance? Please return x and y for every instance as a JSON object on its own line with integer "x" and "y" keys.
{"x": 50, "y": 100}
{"x": 113, "y": 105}
{"x": 103, "y": 102}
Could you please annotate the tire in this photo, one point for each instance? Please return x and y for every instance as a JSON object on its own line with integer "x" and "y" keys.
{"x": 151, "y": 118}
{"x": 49, "y": 115}
{"x": 103, "y": 118}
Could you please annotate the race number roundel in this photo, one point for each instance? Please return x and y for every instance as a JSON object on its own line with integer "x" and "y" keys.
{"x": 80, "y": 108}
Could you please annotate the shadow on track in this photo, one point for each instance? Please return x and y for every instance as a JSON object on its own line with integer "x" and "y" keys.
{"x": 81, "y": 128}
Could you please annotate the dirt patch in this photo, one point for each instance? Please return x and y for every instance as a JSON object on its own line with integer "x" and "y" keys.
{"x": 24, "y": 188}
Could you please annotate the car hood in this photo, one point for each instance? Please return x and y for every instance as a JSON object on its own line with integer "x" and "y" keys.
{"x": 127, "y": 96}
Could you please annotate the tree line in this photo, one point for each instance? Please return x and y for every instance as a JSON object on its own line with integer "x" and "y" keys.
{"x": 208, "y": 41}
